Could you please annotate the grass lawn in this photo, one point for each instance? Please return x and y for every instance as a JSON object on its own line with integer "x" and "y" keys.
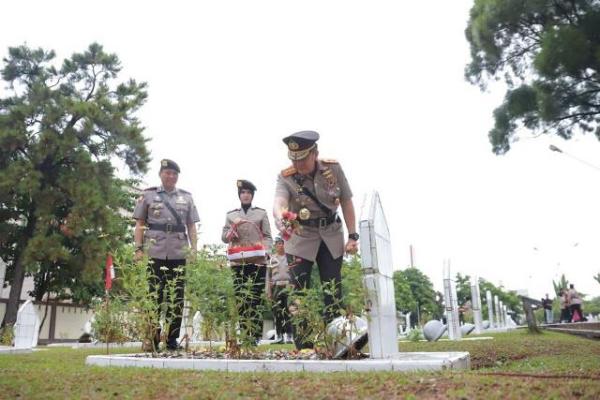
{"x": 513, "y": 365}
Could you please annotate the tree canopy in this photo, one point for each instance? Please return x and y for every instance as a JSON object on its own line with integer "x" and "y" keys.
{"x": 61, "y": 204}
{"x": 422, "y": 300}
{"x": 548, "y": 54}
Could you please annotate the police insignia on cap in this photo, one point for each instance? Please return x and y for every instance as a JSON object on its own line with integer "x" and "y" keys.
{"x": 239, "y": 184}
{"x": 293, "y": 145}
{"x": 164, "y": 163}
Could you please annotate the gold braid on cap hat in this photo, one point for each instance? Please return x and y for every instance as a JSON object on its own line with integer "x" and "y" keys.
{"x": 300, "y": 154}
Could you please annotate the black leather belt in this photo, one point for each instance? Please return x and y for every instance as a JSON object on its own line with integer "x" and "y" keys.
{"x": 166, "y": 227}
{"x": 320, "y": 222}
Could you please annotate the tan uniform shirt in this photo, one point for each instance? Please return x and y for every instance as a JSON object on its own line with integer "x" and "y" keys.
{"x": 256, "y": 215}
{"x": 331, "y": 187}
{"x": 279, "y": 270}
{"x": 151, "y": 208}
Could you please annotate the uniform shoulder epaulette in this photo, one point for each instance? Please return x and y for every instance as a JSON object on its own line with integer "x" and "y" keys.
{"x": 184, "y": 191}
{"x": 288, "y": 171}
{"x": 150, "y": 188}
{"x": 258, "y": 208}
{"x": 235, "y": 209}
{"x": 329, "y": 161}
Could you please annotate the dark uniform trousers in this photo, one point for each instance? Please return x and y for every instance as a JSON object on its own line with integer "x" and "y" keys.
{"x": 158, "y": 283}
{"x": 280, "y": 310}
{"x": 249, "y": 284}
{"x": 330, "y": 270}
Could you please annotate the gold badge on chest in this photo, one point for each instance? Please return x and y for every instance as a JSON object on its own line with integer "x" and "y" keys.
{"x": 304, "y": 213}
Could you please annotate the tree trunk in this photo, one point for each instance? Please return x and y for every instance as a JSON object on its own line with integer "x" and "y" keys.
{"x": 16, "y": 285}
{"x": 18, "y": 276}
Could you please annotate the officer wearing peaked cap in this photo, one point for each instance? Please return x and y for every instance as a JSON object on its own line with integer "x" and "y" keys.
{"x": 166, "y": 227}
{"x": 314, "y": 189}
{"x": 245, "y": 230}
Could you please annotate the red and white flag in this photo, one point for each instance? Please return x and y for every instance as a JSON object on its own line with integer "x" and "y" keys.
{"x": 110, "y": 273}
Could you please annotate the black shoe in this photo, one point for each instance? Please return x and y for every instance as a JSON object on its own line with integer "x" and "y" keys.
{"x": 279, "y": 341}
{"x": 173, "y": 346}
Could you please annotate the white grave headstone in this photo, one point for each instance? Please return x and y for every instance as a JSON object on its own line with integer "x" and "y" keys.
{"x": 497, "y": 312}
{"x": 376, "y": 260}
{"x": 196, "y": 326}
{"x": 500, "y": 314}
{"x": 490, "y": 306}
{"x": 27, "y": 326}
{"x": 451, "y": 304}
{"x": 186, "y": 326}
{"x": 476, "y": 305}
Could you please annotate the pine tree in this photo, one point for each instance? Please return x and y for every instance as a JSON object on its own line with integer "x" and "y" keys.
{"x": 61, "y": 204}
{"x": 548, "y": 54}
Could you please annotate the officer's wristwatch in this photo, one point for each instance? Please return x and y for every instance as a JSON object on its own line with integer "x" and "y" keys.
{"x": 354, "y": 236}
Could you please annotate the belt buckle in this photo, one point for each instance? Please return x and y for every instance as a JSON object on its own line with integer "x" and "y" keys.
{"x": 169, "y": 228}
{"x": 322, "y": 222}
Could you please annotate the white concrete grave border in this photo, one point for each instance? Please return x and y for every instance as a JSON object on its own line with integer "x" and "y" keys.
{"x": 402, "y": 362}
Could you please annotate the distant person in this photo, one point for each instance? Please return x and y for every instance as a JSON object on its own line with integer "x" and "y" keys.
{"x": 565, "y": 315}
{"x": 248, "y": 233}
{"x": 166, "y": 227}
{"x": 574, "y": 300}
{"x": 278, "y": 277}
{"x": 547, "y": 305}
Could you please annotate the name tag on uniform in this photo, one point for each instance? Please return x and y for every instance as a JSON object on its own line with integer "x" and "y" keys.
{"x": 157, "y": 199}
{"x": 180, "y": 200}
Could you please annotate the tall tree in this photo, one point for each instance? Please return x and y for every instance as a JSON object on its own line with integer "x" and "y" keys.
{"x": 548, "y": 53}
{"x": 60, "y": 201}
{"x": 562, "y": 283}
{"x": 405, "y": 301}
{"x": 423, "y": 294}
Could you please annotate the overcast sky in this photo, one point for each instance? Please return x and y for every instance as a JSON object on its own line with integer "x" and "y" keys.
{"x": 382, "y": 81}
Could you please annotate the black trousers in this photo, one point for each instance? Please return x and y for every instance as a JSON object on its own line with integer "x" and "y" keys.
{"x": 249, "y": 285}
{"x": 330, "y": 272}
{"x": 158, "y": 284}
{"x": 280, "y": 310}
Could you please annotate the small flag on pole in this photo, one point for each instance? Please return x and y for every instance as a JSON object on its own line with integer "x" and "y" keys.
{"x": 110, "y": 273}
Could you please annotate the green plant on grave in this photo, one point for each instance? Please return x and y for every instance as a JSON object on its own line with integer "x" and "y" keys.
{"x": 209, "y": 290}
{"x": 308, "y": 309}
{"x": 415, "y": 335}
{"x": 354, "y": 294}
{"x": 7, "y": 335}
{"x": 246, "y": 320}
{"x": 110, "y": 321}
{"x": 169, "y": 305}
{"x": 136, "y": 293}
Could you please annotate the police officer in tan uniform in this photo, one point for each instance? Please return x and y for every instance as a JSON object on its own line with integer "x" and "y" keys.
{"x": 166, "y": 226}
{"x": 314, "y": 189}
{"x": 248, "y": 273}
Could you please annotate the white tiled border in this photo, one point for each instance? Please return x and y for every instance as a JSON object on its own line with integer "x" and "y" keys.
{"x": 14, "y": 350}
{"x": 400, "y": 362}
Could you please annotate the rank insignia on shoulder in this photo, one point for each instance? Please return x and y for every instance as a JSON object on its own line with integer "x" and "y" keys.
{"x": 234, "y": 210}
{"x": 150, "y": 188}
{"x": 288, "y": 171}
{"x": 329, "y": 161}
